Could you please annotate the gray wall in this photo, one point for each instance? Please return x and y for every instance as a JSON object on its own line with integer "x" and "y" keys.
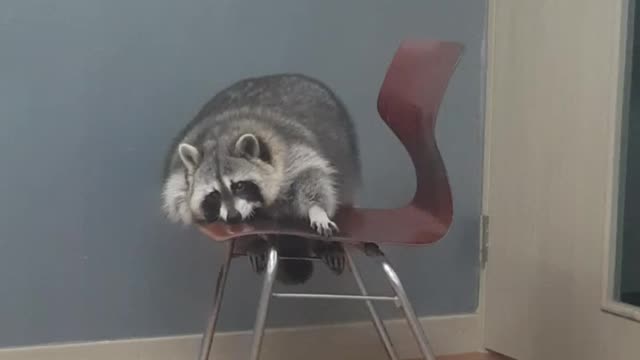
{"x": 91, "y": 92}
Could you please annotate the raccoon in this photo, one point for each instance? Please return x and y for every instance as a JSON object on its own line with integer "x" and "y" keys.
{"x": 281, "y": 146}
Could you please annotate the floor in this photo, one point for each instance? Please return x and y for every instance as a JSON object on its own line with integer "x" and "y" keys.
{"x": 474, "y": 356}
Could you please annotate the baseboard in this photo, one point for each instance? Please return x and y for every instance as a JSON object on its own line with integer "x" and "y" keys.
{"x": 447, "y": 334}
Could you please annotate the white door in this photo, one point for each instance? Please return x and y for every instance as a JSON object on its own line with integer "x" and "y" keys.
{"x": 555, "y": 107}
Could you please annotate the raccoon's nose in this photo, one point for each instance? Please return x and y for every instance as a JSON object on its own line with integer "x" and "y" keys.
{"x": 234, "y": 217}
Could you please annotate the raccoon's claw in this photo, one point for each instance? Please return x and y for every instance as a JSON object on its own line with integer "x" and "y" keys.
{"x": 321, "y": 223}
{"x": 333, "y": 255}
{"x": 325, "y": 228}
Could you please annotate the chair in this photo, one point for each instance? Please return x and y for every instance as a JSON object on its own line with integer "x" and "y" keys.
{"x": 408, "y": 102}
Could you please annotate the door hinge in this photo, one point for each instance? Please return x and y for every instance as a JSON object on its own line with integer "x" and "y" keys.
{"x": 484, "y": 241}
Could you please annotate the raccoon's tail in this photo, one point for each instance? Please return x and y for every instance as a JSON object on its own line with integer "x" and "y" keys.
{"x": 294, "y": 271}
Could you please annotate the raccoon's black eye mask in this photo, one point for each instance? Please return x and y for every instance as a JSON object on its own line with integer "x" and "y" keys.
{"x": 247, "y": 190}
{"x": 211, "y": 206}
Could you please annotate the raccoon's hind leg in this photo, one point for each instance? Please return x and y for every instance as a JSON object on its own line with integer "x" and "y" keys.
{"x": 332, "y": 254}
{"x": 315, "y": 198}
{"x": 257, "y": 253}
{"x": 293, "y": 271}
{"x": 290, "y": 271}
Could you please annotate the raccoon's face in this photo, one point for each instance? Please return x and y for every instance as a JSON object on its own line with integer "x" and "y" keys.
{"x": 221, "y": 198}
{"x": 241, "y": 198}
{"x": 231, "y": 184}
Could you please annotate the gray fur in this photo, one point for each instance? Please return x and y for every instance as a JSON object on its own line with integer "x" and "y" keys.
{"x": 307, "y": 154}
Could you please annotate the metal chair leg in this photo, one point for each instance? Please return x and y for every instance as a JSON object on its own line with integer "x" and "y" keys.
{"x": 377, "y": 322}
{"x": 414, "y": 324}
{"x": 207, "y": 338}
{"x": 263, "y": 305}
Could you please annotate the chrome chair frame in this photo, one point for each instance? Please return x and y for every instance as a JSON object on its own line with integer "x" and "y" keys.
{"x": 372, "y": 251}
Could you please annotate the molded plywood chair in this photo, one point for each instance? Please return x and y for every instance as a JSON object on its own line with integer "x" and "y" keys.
{"x": 408, "y": 102}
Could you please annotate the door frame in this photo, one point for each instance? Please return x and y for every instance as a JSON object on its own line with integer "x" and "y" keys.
{"x": 616, "y": 187}
{"x": 617, "y": 318}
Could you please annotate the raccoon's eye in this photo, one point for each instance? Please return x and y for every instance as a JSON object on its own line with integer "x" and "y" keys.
{"x": 247, "y": 190}
{"x": 238, "y": 186}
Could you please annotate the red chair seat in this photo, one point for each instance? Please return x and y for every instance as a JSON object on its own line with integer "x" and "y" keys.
{"x": 408, "y": 102}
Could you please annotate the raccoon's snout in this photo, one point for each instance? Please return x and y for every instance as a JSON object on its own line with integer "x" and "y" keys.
{"x": 234, "y": 216}
{"x": 211, "y": 206}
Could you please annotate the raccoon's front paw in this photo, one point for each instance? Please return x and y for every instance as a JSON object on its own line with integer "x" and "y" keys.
{"x": 320, "y": 222}
{"x": 325, "y": 228}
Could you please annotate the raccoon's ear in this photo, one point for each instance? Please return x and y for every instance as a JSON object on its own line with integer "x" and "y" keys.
{"x": 248, "y": 145}
{"x": 189, "y": 155}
